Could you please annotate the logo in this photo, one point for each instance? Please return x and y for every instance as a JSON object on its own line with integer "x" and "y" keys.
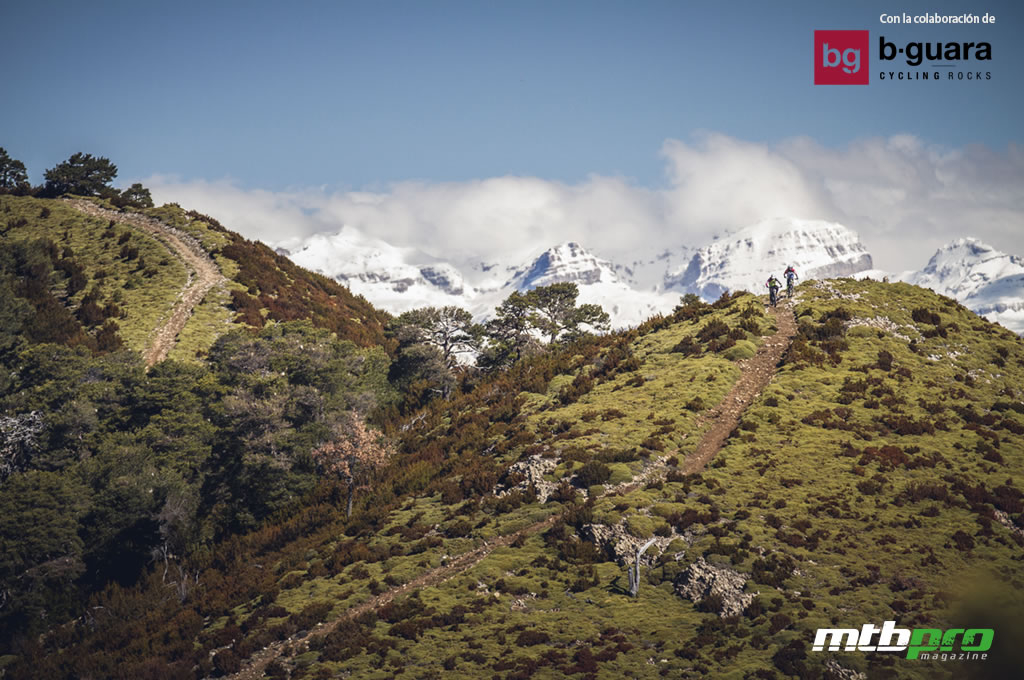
{"x": 920, "y": 643}
{"x": 917, "y": 52}
{"x": 841, "y": 58}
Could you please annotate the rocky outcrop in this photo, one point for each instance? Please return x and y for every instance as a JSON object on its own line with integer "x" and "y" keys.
{"x": 1004, "y": 519}
{"x": 526, "y": 473}
{"x": 881, "y": 323}
{"x": 720, "y": 587}
{"x": 616, "y": 541}
{"x": 838, "y": 672}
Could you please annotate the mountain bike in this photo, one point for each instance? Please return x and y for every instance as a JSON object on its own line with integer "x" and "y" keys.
{"x": 773, "y": 296}
{"x": 789, "y": 287}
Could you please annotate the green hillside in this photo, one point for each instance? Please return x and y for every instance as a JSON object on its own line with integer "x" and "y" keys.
{"x": 107, "y": 273}
{"x": 130, "y": 277}
{"x": 876, "y": 477}
{"x": 269, "y": 287}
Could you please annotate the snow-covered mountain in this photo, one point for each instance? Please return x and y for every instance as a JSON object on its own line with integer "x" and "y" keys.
{"x": 398, "y": 279}
{"x": 598, "y": 284}
{"x": 745, "y": 259}
{"x": 965, "y": 267}
{"x": 983, "y": 279}
{"x": 568, "y": 262}
{"x": 648, "y": 270}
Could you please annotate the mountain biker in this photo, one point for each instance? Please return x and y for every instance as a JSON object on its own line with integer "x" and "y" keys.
{"x": 773, "y": 285}
{"x": 791, "y": 276}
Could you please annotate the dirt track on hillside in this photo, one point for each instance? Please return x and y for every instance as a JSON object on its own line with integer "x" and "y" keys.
{"x": 253, "y": 668}
{"x": 755, "y": 374}
{"x": 203, "y": 273}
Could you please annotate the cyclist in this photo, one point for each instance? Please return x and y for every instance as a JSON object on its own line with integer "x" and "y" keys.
{"x": 791, "y": 276}
{"x": 773, "y": 285}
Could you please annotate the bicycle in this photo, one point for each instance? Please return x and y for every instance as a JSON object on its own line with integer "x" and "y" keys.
{"x": 789, "y": 287}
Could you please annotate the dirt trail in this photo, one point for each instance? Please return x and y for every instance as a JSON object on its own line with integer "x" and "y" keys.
{"x": 203, "y": 273}
{"x": 756, "y": 373}
{"x": 253, "y": 667}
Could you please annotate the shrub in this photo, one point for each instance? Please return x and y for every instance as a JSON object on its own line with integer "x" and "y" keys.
{"x": 925, "y": 490}
{"x": 885, "y": 360}
{"x": 839, "y": 314}
{"x": 963, "y": 541}
{"x": 712, "y": 329}
{"x": 653, "y": 443}
{"x": 227, "y": 662}
{"x": 712, "y": 603}
{"x": 695, "y": 404}
{"x": 779, "y": 622}
{"x": 869, "y": 487}
{"x": 773, "y": 570}
{"x": 688, "y": 347}
{"x": 790, "y": 659}
{"x": 529, "y": 638}
{"x": 592, "y": 473}
{"x": 922, "y": 315}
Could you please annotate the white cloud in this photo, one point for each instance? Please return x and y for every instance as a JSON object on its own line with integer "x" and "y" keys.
{"x": 904, "y": 197}
{"x": 723, "y": 183}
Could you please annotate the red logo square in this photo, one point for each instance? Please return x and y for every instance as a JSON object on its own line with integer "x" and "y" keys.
{"x": 841, "y": 57}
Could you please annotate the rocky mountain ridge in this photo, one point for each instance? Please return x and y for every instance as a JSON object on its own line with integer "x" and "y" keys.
{"x": 982, "y": 278}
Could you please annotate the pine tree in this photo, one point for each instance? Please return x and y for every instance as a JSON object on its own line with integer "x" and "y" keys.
{"x": 12, "y": 172}
{"x": 81, "y": 174}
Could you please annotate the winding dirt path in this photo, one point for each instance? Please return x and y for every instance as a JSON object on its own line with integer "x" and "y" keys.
{"x": 755, "y": 373}
{"x": 203, "y": 273}
{"x": 253, "y": 668}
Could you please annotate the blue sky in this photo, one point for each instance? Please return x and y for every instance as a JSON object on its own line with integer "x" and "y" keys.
{"x": 278, "y": 94}
{"x": 283, "y": 97}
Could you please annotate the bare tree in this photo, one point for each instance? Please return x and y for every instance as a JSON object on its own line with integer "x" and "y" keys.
{"x": 19, "y": 439}
{"x": 353, "y": 456}
{"x": 634, "y": 572}
{"x": 450, "y": 329}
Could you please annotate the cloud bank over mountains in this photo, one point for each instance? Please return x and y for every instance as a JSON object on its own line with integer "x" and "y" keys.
{"x": 904, "y": 197}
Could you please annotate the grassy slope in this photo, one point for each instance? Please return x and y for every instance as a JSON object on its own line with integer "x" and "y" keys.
{"x": 146, "y": 300}
{"x": 828, "y": 526}
{"x": 150, "y": 299}
{"x": 782, "y": 487}
{"x": 272, "y": 286}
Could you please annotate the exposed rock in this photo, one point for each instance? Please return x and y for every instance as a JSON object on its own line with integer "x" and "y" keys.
{"x": 530, "y": 472}
{"x": 703, "y": 579}
{"x": 445, "y": 277}
{"x": 522, "y": 603}
{"x": 1004, "y": 519}
{"x": 881, "y": 323}
{"x": 622, "y": 545}
{"x": 829, "y": 288}
{"x": 837, "y": 672}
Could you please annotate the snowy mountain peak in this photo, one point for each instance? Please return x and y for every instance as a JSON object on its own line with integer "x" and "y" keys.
{"x": 744, "y": 260}
{"x": 641, "y": 283}
{"x": 566, "y": 262}
{"x": 962, "y": 268}
{"x": 982, "y": 278}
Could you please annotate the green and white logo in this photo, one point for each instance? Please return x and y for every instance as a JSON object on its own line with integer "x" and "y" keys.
{"x": 919, "y": 643}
